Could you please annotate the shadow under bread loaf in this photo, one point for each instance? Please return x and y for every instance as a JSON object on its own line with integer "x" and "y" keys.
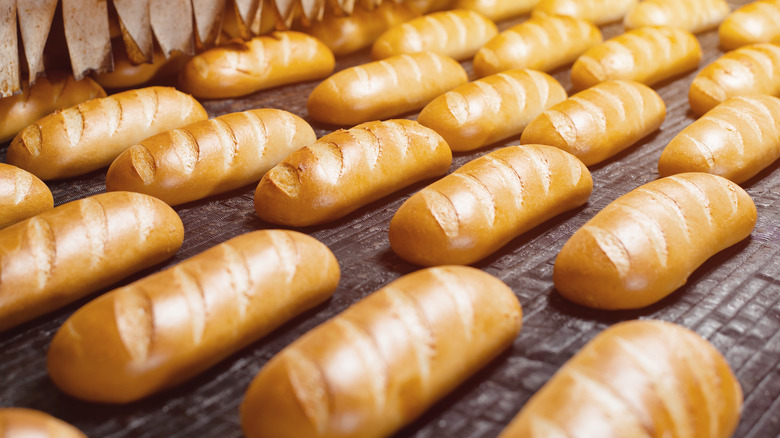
{"x": 383, "y": 89}
{"x": 242, "y": 68}
{"x": 599, "y": 122}
{"x": 90, "y": 135}
{"x": 692, "y": 15}
{"x": 80, "y": 247}
{"x": 598, "y": 12}
{"x": 348, "y": 169}
{"x": 745, "y": 71}
{"x": 386, "y": 359}
{"x": 736, "y": 140}
{"x": 22, "y": 195}
{"x": 49, "y": 93}
{"x": 645, "y": 244}
{"x": 28, "y": 423}
{"x": 474, "y": 211}
{"x": 755, "y": 22}
{"x": 647, "y": 55}
{"x": 637, "y": 378}
{"x": 170, "y": 326}
{"x": 209, "y": 157}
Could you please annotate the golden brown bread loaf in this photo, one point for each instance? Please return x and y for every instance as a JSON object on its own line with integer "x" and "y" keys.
{"x": 168, "y": 327}
{"x": 22, "y": 195}
{"x": 645, "y": 244}
{"x": 543, "y": 42}
{"x": 599, "y": 122}
{"x": 736, "y": 140}
{"x": 497, "y": 10}
{"x": 648, "y": 55}
{"x": 263, "y": 62}
{"x": 209, "y": 157}
{"x": 127, "y": 74}
{"x": 382, "y": 89}
{"x": 755, "y": 22}
{"x": 48, "y": 94}
{"x": 474, "y": 211}
{"x": 457, "y": 33}
{"x": 382, "y": 362}
{"x": 596, "y": 11}
{"x": 348, "y": 169}
{"x": 639, "y": 378}
{"x": 491, "y": 109}
{"x": 349, "y": 33}
{"x": 79, "y": 248}
{"x": 29, "y": 423}
{"x": 692, "y": 15}
{"x": 745, "y": 71}
{"x": 91, "y": 135}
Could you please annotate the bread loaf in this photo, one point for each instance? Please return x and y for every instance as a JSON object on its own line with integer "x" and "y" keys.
{"x": 48, "y": 94}
{"x": 756, "y": 22}
{"x": 636, "y": 379}
{"x": 492, "y": 108}
{"x": 691, "y": 15}
{"x": 170, "y": 326}
{"x": 745, "y": 71}
{"x": 646, "y": 243}
{"x": 647, "y": 54}
{"x": 497, "y": 10}
{"x": 599, "y": 122}
{"x": 383, "y": 89}
{"x": 458, "y": 34}
{"x": 209, "y": 157}
{"x": 345, "y": 34}
{"x": 346, "y": 170}
{"x": 382, "y": 362}
{"x": 22, "y": 195}
{"x": 597, "y": 12}
{"x": 80, "y": 247}
{"x": 91, "y": 135}
{"x": 543, "y": 42}
{"x": 263, "y": 62}
{"x": 29, "y": 423}
{"x": 126, "y": 74}
{"x": 736, "y": 140}
{"x": 474, "y": 211}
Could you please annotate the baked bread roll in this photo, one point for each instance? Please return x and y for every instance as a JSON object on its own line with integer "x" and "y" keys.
{"x": 755, "y": 22}
{"x": 28, "y": 423}
{"x": 89, "y": 136}
{"x": 648, "y": 55}
{"x": 126, "y": 74}
{"x": 497, "y": 10}
{"x": 22, "y": 195}
{"x": 599, "y": 122}
{"x": 48, "y": 94}
{"x": 382, "y": 362}
{"x": 471, "y": 213}
{"x": 745, "y": 71}
{"x": 691, "y": 15}
{"x": 170, "y": 326}
{"x": 458, "y": 34}
{"x": 79, "y": 248}
{"x": 345, "y": 34}
{"x": 638, "y": 378}
{"x": 645, "y": 244}
{"x": 263, "y": 62}
{"x": 543, "y": 42}
{"x": 736, "y": 140}
{"x": 348, "y": 169}
{"x": 383, "y": 89}
{"x": 492, "y": 108}
{"x": 597, "y": 12}
{"x": 209, "y": 157}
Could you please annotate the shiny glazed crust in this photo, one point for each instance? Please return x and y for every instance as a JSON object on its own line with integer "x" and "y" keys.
{"x": 756, "y": 22}
{"x": 597, "y": 12}
{"x": 645, "y": 244}
{"x": 691, "y": 15}
{"x": 637, "y": 378}
{"x": 28, "y": 423}
{"x": 170, "y": 326}
{"x": 497, "y": 10}
{"x": 382, "y": 362}
{"x": 22, "y": 195}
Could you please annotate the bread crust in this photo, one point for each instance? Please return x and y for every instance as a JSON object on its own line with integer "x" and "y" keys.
{"x": 22, "y": 195}
{"x": 755, "y": 22}
{"x": 598, "y": 12}
{"x": 22, "y": 422}
{"x": 692, "y": 15}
